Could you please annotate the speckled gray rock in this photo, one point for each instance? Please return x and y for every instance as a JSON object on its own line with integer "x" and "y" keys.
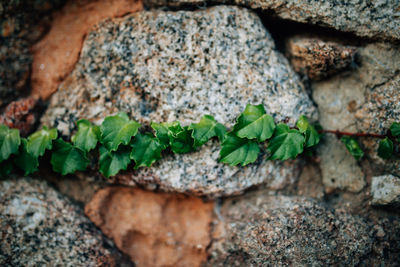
{"x": 283, "y": 231}
{"x": 385, "y": 190}
{"x": 338, "y": 167}
{"x": 374, "y": 19}
{"x": 166, "y": 66}
{"x": 39, "y": 227}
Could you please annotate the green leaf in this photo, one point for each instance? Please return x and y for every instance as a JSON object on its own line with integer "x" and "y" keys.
{"x": 353, "y": 147}
{"x": 116, "y": 130}
{"x": 286, "y": 143}
{"x": 24, "y": 160}
{"x": 395, "y": 129}
{"x": 254, "y": 123}
{"x": 87, "y": 136}
{"x": 385, "y": 149}
{"x": 9, "y": 142}
{"x": 161, "y": 132}
{"x": 111, "y": 162}
{"x": 41, "y": 140}
{"x": 180, "y": 139}
{"x": 311, "y": 134}
{"x": 207, "y": 128}
{"x": 6, "y": 168}
{"x": 146, "y": 150}
{"x": 67, "y": 158}
{"x": 236, "y": 150}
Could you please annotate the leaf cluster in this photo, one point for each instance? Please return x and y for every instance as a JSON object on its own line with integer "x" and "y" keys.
{"x": 119, "y": 141}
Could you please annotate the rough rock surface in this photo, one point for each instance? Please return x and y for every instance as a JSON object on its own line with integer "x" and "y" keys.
{"x": 365, "y": 99}
{"x": 22, "y": 23}
{"x": 317, "y": 58}
{"x": 154, "y": 229}
{"x": 21, "y": 114}
{"x": 39, "y": 227}
{"x": 56, "y": 54}
{"x": 374, "y": 19}
{"x": 278, "y": 230}
{"x": 338, "y": 167}
{"x": 166, "y": 66}
{"x": 385, "y": 190}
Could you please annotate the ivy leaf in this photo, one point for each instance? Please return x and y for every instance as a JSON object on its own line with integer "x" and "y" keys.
{"x": 41, "y": 140}
{"x": 146, "y": 150}
{"x": 161, "y": 132}
{"x": 353, "y": 147}
{"x": 116, "y": 130}
{"x": 395, "y": 129}
{"x": 286, "y": 143}
{"x": 87, "y": 136}
{"x": 311, "y": 134}
{"x": 67, "y": 158}
{"x": 111, "y": 162}
{"x": 254, "y": 123}
{"x": 236, "y": 150}
{"x": 207, "y": 128}
{"x": 385, "y": 149}
{"x": 180, "y": 139}
{"x": 26, "y": 161}
{"x": 9, "y": 142}
{"x": 6, "y": 168}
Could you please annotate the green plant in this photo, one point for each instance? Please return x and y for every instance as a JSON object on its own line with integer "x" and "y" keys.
{"x": 119, "y": 142}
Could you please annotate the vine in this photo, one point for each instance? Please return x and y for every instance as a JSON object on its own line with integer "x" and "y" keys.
{"x": 118, "y": 141}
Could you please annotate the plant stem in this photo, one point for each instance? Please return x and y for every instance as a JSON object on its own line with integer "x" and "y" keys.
{"x": 381, "y": 136}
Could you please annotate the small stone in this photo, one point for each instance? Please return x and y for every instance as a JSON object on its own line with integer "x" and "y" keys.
{"x": 154, "y": 229}
{"x": 39, "y": 227}
{"x": 318, "y": 59}
{"x": 338, "y": 167}
{"x": 166, "y": 66}
{"x": 385, "y": 190}
{"x": 21, "y": 114}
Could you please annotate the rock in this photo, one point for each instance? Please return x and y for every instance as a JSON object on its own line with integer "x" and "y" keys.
{"x": 22, "y": 24}
{"x": 56, "y": 54}
{"x": 166, "y": 66}
{"x": 39, "y": 227}
{"x": 281, "y": 231}
{"x": 21, "y": 114}
{"x": 318, "y": 59}
{"x": 339, "y": 168}
{"x": 154, "y": 229}
{"x": 378, "y": 19}
{"x": 364, "y": 100}
{"x": 385, "y": 190}
{"x": 309, "y": 183}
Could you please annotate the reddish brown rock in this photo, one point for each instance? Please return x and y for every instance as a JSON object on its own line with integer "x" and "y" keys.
{"x": 318, "y": 59}
{"x": 21, "y": 114}
{"x": 154, "y": 229}
{"x": 56, "y": 54}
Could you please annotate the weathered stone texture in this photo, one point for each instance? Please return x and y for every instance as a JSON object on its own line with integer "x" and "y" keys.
{"x": 154, "y": 229}
{"x": 39, "y": 227}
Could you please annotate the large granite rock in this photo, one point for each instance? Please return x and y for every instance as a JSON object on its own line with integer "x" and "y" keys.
{"x": 373, "y": 19}
{"x": 39, "y": 227}
{"x": 154, "y": 229}
{"x": 282, "y": 231}
{"x": 166, "y": 66}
